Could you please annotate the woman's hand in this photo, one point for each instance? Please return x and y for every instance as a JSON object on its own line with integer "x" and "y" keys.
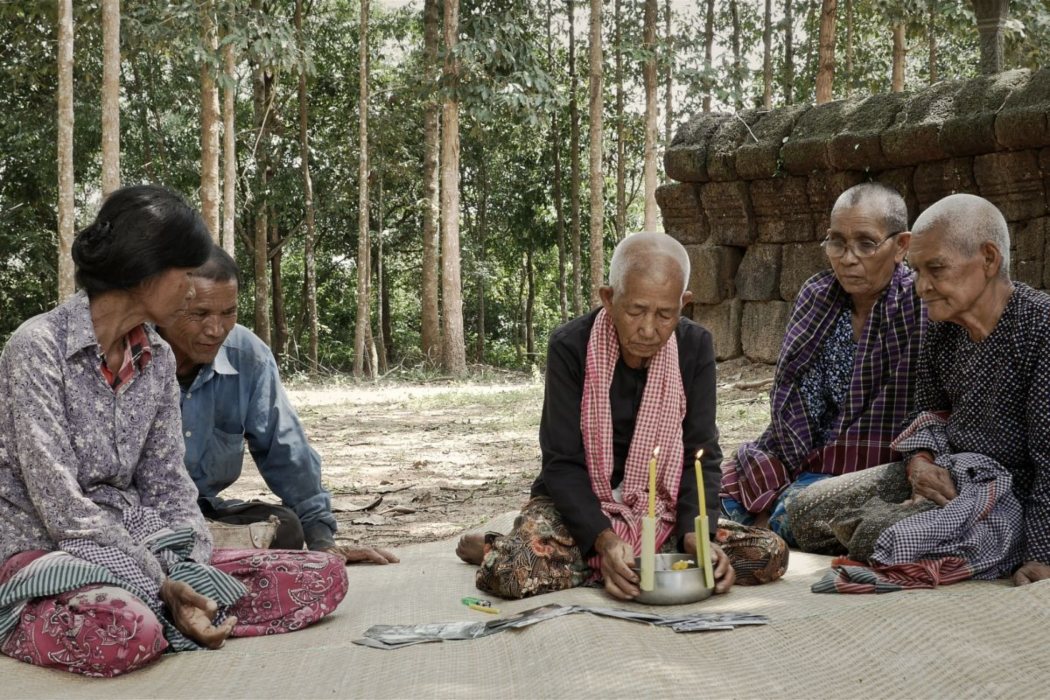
{"x": 192, "y": 614}
{"x": 617, "y": 559}
{"x": 723, "y": 569}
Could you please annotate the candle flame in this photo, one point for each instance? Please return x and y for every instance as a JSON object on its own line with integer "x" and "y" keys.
{"x": 700, "y": 453}
{"x": 656, "y": 451}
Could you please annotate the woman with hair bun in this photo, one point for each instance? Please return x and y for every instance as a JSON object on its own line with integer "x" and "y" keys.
{"x": 105, "y": 559}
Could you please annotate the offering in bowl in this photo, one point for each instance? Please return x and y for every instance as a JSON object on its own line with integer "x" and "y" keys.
{"x": 672, "y": 587}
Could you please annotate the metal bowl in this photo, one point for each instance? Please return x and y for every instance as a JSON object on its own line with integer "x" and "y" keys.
{"x": 674, "y": 587}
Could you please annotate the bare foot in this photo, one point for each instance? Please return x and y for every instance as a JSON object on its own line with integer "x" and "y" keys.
{"x": 471, "y": 548}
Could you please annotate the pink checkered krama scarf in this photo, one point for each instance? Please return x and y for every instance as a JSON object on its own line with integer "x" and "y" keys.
{"x": 659, "y": 423}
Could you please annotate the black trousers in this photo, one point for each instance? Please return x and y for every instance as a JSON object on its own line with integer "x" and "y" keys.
{"x": 289, "y": 532}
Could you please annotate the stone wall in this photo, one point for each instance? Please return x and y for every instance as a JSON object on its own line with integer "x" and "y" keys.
{"x": 753, "y": 190}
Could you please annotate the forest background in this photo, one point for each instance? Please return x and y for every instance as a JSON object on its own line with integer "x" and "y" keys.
{"x": 420, "y": 185}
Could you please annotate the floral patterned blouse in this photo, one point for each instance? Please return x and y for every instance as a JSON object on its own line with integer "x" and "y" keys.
{"x": 83, "y": 466}
{"x": 825, "y": 385}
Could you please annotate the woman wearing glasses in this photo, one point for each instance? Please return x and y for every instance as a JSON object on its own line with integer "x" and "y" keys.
{"x": 844, "y": 380}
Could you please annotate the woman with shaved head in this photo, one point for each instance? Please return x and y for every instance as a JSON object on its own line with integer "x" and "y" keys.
{"x": 843, "y": 384}
{"x": 629, "y": 376}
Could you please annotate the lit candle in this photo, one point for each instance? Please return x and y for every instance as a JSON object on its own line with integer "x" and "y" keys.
{"x": 652, "y": 482}
{"x": 700, "y": 483}
{"x": 701, "y": 527}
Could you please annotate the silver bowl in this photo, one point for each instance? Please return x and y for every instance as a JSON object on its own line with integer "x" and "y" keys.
{"x": 674, "y": 587}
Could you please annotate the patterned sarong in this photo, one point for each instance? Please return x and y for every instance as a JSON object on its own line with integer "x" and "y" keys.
{"x": 58, "y": 572}
{"x": 975, "y": 535}
{"x": 658, "y": 424}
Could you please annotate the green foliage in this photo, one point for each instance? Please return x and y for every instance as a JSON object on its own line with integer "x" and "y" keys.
{"x": 508, "y": 90}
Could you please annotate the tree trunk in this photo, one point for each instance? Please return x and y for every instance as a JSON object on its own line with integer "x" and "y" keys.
{"x": 668, "y": 76}
{"x": 738, "y": 59}
{"x": 481, "y": 226}
{"x": 826, "y": 52}
{"x": 364, "y": 267}
{"x": 651, "y": 220}
{"x": 767, "y": 56}
{"x": 383, "y": 323}
{"x": 931, "y": 32}
{"x": 530, "y": 307}
{"x": 559, "y": 207}
{"x": 597, "y": 177}
{"x": 309, "y": 255}
{"x": 110, "y": 96}
{"x": 899, "y": 52}
{"x": 620, "y": 220}
{"x": 453, "y": 349}
{"x": 709, "y": 47}
{"x": 209, "y": 120}
{"x": 261, "y": 88}
{"x": 789, "y": 52}
{"x": 991, "y": 21}
{"x": 574, "y": 175}
{"x": 64, "y": 118}
{"x": 280, "y": 321}
{"x": 229, "y": 150}
{"x": 431, "y": 321}
{"x": 849, "y": 48}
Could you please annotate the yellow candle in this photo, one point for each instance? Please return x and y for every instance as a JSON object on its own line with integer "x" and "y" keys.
{"x": 700, "y": 483}
{"x": 652, "y": 482}
{"x": 703, "y": 532}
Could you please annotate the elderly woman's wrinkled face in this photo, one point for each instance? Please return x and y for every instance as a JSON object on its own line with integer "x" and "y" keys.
{"x": 166, "y": 294}
{"x": 947, "y": 279}
{"x": 646, "y": 312}
{"x": 862, "y": 252}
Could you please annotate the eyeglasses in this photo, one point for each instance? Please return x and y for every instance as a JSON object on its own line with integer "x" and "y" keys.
{"x": 836, "y": 247}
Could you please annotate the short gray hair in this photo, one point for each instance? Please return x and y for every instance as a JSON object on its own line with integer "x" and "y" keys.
{"x": 891, "y": 206}
{"x": 968, "y": 221}
{"x": 637, "y": 252}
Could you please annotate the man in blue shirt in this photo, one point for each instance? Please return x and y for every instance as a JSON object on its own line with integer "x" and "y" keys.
{"x": 231, "y": 393}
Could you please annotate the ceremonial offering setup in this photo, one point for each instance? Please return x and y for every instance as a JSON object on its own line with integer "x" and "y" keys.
{"x": 668, "y": 579}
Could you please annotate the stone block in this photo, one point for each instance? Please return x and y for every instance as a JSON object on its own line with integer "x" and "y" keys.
{"x": 727, "y": 209}
{"x": 758, "y": 277}
{"x": 781, "y": 210}
{"x": 902, "y": 180}
{"x": 1028, "y": 271}
{"x": 800, "y": 262}
{"x": 822, "y": 189}
{"x": 713, "y": 272}
{"x": 934, "y": 181}
{"x": 971, "y": 129}
{"x": 723, "y": 321}
{"x": 1046, "y": 268}
{"x": 759, "y": 158}
{"x": 1013, "y": 182}
{"x": 914, "y": 135}
{"x": 680, "y": 210}
{"x": 806, "y": 149}
{"x": 723, "y": 144}
{"x": 1024, "y": 121}
{"x": 859, "y": 145}
{"x": 762, "y": 327}
{"x": 686, "y": 159}
{"x": 1028, "y": 239}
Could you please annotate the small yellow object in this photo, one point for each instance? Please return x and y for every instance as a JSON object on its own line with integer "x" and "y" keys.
{"x": 683, "y": 565}
{"x": 484, "y": 608}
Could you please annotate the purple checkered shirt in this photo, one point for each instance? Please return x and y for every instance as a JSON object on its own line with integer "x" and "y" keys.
{"x": 876, "y": 406}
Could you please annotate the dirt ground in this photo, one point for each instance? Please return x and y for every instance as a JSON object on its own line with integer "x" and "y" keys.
{"x": 411, "y": 463}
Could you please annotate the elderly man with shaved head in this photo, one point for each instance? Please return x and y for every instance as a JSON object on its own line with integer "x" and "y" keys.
{"x": 625, "y": 378}
{"x": 972, "y": 497}
{"x": 844, "y": 380}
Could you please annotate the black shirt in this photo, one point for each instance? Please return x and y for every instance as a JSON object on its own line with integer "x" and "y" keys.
{"x": 564, "y": 477}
